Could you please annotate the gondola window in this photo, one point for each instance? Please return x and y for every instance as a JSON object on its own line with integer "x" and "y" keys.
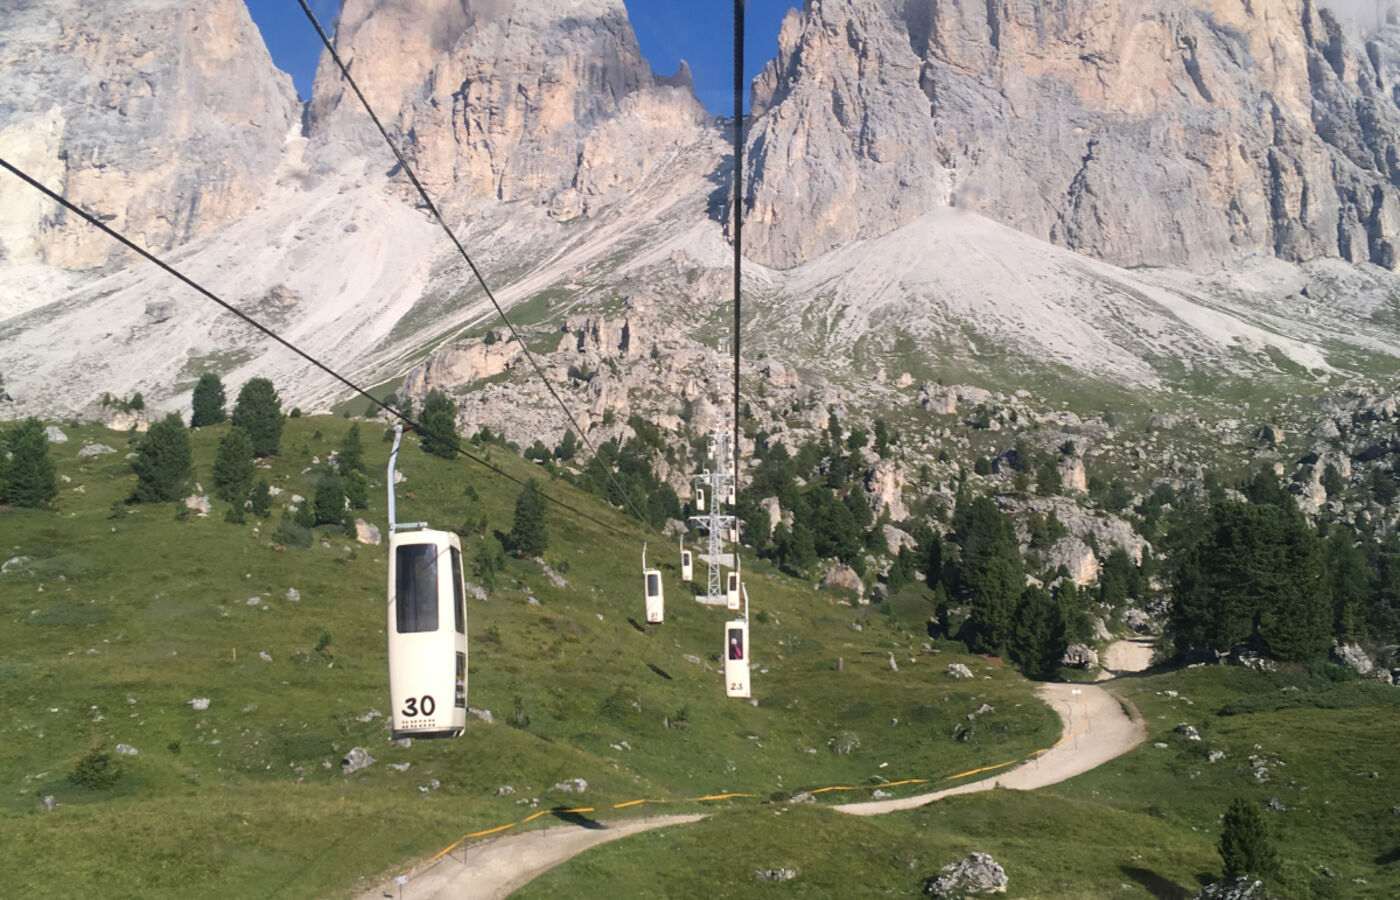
{"x": 457, "y": 598}
{"x": 417, "y": 588}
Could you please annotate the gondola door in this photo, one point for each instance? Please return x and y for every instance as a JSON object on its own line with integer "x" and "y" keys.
{"x": 427, "y": 628}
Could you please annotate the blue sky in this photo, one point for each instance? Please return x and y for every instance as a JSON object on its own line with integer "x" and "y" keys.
{"x": 668, "y": 31}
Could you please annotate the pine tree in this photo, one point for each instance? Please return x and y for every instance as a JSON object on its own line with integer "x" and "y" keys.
{"x": 305, "y": 516}
{"x": 261, "y": 499}
{"x": 990, "y": 575}
{"x": 529, "y": 535}
{"x": 163, "y": 462}
{"x": 259, "y": 412}
{"x": 208, "y": 401}
{"x": 351, "y": 457}
{"x": 1038, "y": 636}
{"x": 882, "y": 438}
{"x": 233, "y": 467}
{"x": 1256, "y": 569}
{"x": 330, "y": 500}
{"x": 439, "y": 425}
{"x": 357, "y": 489}
{"x": 567, "y": 447}
{"x": 30, "y": 475}
{"x": 1245, "y": 845}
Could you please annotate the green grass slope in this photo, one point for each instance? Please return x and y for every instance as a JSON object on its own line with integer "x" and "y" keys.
{"x": 1144, "y": 825}
{"x": 122, "y": 615}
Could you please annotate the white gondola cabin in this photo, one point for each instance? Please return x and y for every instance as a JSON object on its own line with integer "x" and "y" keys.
{"x": 427, "y": 627}
{"x": 656, "y": 599}
{"x": 655, "y": 593}
{"x": 687, "y": 566}
{"x": 699, "y": 499}
{"x": 731, "y": 592}
{"x": 736, "y": 658}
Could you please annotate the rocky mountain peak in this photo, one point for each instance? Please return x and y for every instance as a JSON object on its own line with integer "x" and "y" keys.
{"x": 166, "y": 116}
{"x": 548, "y": 102}
{"x": 1139, "y": 132}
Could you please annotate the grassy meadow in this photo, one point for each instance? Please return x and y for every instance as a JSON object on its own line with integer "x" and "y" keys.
{"x": 1144, "y": 825}
{"x": 118, "y": 616}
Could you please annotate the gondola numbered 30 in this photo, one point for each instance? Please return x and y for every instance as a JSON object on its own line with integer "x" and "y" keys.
{"x": 427, "y": 626}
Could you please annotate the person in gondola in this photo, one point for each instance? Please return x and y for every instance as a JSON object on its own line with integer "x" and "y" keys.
{"x": 736, "y": 649}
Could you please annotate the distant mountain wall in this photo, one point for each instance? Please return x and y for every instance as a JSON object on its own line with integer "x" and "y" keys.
{"x": 548, "y": 102}
{"x": 166, "y": 116}
{"x": 1141, "y": 132}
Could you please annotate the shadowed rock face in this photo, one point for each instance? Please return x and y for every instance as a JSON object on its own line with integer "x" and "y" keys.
{"x": 549, "y": 102}
{"x": 167, "y": 117}
{"x": 1140, "y": 132}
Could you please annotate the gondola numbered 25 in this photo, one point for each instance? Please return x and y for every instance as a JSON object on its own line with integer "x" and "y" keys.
{"x": 427, "y": 626}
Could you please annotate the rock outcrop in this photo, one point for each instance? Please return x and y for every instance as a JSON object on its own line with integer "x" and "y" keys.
{"x": 1135, "y": 131}
{"x": 550, "y": 103}
{"x": 165, "y": 118}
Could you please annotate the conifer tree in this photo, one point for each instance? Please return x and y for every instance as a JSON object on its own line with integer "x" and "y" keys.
{"x": 990, "y": 574}
{"x": 259, "y": 412}
{"x": 357, "y": 489}
{"x": 233, "y": 467}
{"x": 208, "y": 401}
{"x": 330, "y": 500}
{"x": 567, "y": 447}
{"x": 439, "y": 425}
{"x": 351, "y": 457}
{"x": 1038, "y": 635}
{"x": 163, "y": 467}
{"x": 529, "y": 535}
{"x": 261, "y": 499}
{"x": 1245, "y": 844}
{"x": 29, "y": 475}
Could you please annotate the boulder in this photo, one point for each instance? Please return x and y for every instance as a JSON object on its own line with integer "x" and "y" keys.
{"x": 783, "y": 873}
{"x": 1188, "y": 731}
{"x": 774, "y": 508}
{"x": 958, "y": 670}
{"x": 1137, "y": 620}
{"x": 1251, "y": 659}
{"x": 92, "y": 450}
{"x": 1076, "y": 556}
{"x": 884, "y": 486}
{"x": 126, "y": 750}
{"x": 1081, "y": 656}
{"x": 199, "y": 504}
{"x": 358, "y": 758}
{"x": 55, "y": 435}
{"x": 842, "y": 577}
{"x": 200, "y": 703}
{"x": 844, "y": 743}
{"x": 896, "y": 538}
{"x": 977, "y": 873}
{"x": 1239, "y": 889}
{"x": 572, "y": 785}
{"x": 1353, "y": 657}
{"x": 366, "y": 533}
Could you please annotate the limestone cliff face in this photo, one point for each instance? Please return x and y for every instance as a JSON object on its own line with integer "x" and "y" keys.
{"x": 548, "y": 101}
{"x": 1137, "y": 131}
{"x": 167, "y": 116}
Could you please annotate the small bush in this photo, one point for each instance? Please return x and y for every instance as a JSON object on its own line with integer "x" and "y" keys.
{"x": 96, "y": 770}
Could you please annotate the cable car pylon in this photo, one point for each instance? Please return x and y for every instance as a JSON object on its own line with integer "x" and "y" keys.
{"x": 427, "y": 640}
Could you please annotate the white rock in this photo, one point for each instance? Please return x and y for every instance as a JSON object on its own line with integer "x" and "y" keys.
{"x": 55, "y": 435}
{"x": 200, "y": 703}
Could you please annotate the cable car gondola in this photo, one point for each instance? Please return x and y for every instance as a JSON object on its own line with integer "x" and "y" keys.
{"x": 687, "y": 565}
{"x": 427, "y": 627}
{"x": 736, "y": 658}
{"x": 655, "y": 593}
{"x": 731, "y": 593}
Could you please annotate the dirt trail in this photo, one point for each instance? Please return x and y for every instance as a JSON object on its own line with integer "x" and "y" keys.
{"x": 1095, "y": 730}
{"x": 1133, "y": 655}
{"x": 495, "y": 869}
